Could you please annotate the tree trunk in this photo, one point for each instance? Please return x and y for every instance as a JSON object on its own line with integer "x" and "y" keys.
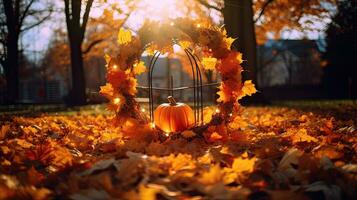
{"x": 12, "y": 69}
{"x": 78, "y": 91}
{"x": 238, "y": 19}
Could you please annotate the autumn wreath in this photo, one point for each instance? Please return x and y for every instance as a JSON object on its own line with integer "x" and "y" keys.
{"x": 212, "y": 42}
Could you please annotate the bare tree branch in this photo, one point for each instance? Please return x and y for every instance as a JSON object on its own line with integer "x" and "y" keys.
{"x": 91, "y": 45}
{"x": 24, "y": 14}
{"x": 262, "y": 10}
{"x": 86, "y": 17}
{"x": 206, "y": 4}
{"x": 37, "y": 23}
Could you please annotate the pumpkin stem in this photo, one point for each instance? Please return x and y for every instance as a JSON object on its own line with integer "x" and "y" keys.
{"x": 171, "y": 100}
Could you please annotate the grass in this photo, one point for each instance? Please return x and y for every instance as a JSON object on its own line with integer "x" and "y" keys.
{"x": 337, "y": 107}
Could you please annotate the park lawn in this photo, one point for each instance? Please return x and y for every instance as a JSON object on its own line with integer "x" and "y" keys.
{"x": 286, "y": 151}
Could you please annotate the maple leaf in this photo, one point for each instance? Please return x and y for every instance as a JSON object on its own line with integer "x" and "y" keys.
{"x": 224, "y": 94}
{"x": 240, "y": 168}
{"x": 151, "y": 49}
{"x": 131, "y": 86}
{"x": 222, "y": 97}
{"x": 207, "y": 114}
{"x": 23, "y": 143}
{"x": 241, "y": 164}
{"x": 228, "y": 41}
{"x": 139, "y": 68}
{"x": 184, "y": 44}
{"x": 212, "y": 176}
{"x": 209, "y": 63}
{"x": 248, "y": 89}
{"x": 107, "y": 59}
{"x": 239, "y": 57}
{"x": 238, "y": 123}
{"x": 107, "y": 90}
{"x": 124, "y": 36}
{"x": 302, "y": 136}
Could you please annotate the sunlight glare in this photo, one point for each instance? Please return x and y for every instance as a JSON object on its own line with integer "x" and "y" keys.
{"x": 160, "y": 10}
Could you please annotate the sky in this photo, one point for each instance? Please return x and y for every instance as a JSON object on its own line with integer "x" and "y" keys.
{"x": 37, "y": 40}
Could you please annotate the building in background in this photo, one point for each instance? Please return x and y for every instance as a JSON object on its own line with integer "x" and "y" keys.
{"x": 289, "y": 62}
{"x": 289, "y": 69}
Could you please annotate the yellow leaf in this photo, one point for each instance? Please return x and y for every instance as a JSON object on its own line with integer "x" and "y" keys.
{"x": 238, "y": 123}
{"x": 248, "y": 89}
{"x": 6, "y": 163}
{"x": 107, "y": 58}
{"x": 23, "y": 143}
{"x": 302, "y": 136}
{"x": 240, "y": 58}
{"x": 185, "y": 44}
{"x": 209, "y": 63}
{"x": 228, "y": 41}
{"x": 107, "y": 90}
{"x": 5, "y": 149}
{"x": 243, "y": 164}
{"x": 223, "y": 31}
{"x": 222, "y": 97}
{"x": 124, "y": 36}
{"x": 151, "y": 49}
{"x": 207, "y": 114}
{"x": 139, "y": 68}
{"x": 188, "y": 134}
{"x": 147, "y": 193}
{"x": 212, "y": 176}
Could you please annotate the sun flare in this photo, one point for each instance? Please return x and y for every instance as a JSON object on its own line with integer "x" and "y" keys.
{"x": 160, "y": 10}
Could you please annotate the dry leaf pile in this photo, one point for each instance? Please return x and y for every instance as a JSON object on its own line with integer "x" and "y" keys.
{"x": 266, "y": 153}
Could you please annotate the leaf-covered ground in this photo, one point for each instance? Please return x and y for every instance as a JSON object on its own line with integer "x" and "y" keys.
{"x": 271, "y": 153}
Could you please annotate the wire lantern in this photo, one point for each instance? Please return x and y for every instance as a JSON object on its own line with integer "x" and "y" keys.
{"x": 197, "y": 86}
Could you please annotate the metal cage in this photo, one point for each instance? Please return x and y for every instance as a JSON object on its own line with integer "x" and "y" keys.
{"x": 196, "y": 81}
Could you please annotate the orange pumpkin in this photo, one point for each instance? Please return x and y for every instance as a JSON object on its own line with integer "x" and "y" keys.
{"x": 173, "y": 116}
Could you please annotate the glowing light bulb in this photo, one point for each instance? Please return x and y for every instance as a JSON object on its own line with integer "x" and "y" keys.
{"x": 116, "y": 100}
{"x": 152, "y": 125}
{"x": 172, "y": 24}
{"x": 218, "y": 110}
{"x": 230, "y": 114}
{"x": 198, "y": 25}
{"x": 143, "y": 110}
{"x": 115, "y": 67}
{"x": 167, "y": 134}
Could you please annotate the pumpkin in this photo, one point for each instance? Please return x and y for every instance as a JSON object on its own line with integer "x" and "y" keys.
{"x": 173, "y": 116}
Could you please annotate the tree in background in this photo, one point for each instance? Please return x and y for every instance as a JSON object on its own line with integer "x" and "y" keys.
{"x": 17, "y": 17}
{"x": 76, "y": 28}
{"x": 101, "y": 34}
{"x": 252, "y": 21}
{"x": 341, "y": 37}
